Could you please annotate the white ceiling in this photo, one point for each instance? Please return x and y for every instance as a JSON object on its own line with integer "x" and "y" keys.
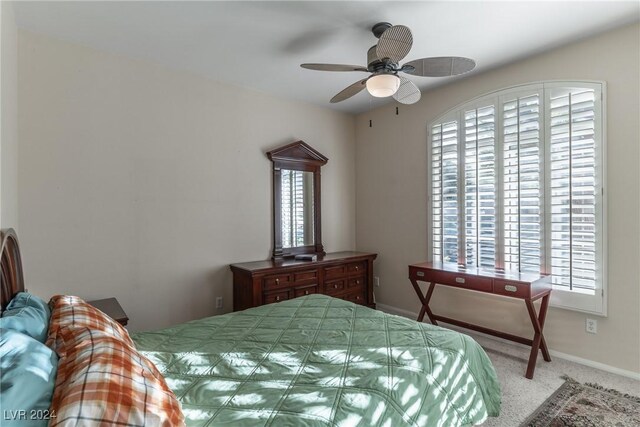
{"x": 260, "y": 44}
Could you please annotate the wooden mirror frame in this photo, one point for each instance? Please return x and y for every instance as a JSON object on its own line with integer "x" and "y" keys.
{"x": 296, "y": 156}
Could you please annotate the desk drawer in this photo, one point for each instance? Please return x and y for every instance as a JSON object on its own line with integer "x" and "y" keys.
{"x": 512, "y": 289}
{"x": 460, "y": 280}
{"x": 276, "y": 281}
{"x": 334, "y": 287}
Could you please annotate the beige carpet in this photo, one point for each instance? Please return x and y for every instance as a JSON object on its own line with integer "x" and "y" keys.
{"x": 520, "y": 396}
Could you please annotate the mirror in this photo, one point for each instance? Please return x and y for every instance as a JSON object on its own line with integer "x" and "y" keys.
{"x": 296, "y": 208}
{"x": 296, "y": 200}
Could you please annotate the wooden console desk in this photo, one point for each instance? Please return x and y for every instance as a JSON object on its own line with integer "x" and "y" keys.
{"x": 525, "y": 286}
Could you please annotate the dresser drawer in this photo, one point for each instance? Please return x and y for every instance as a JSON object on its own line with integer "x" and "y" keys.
{"x": 305, "y": 290}
{"x": 355, "y": 282}
{"x": 355, "y": 297}
{"x": 334, "y": 287}
{"x": 356, "y": 268}
{"x": 335, "y": 271}
{"x": 304, "y": 276}
{"x": 276, "y": 297}
{"x": 512, "y": 289}
{"x": 276, "y": 281}
{"x": 460, "y": 280}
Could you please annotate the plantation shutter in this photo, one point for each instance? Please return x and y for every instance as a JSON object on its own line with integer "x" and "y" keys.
{"x": 287, "y": 208}
{"x": 293, "y": 207}
{"x": 480, "y": 187}
{"x": 298, "y": 207}
{"x": 517, "y": 183}
{"x": 522, "y": 197}
{"x": 574, "y": 189}
{"x": 444, "y": 191}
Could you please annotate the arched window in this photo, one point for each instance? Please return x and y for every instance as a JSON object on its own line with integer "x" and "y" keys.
{"x": 517, "y": 182}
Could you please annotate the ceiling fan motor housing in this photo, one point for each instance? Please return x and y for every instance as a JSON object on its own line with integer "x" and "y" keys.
{"x": 376, "y": 65}
{"x": 380, "y": 28}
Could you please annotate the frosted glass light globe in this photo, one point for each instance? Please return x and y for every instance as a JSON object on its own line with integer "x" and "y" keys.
{"x": 383, "y": 85}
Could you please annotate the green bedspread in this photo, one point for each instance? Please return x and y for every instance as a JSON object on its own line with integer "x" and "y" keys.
{"x": 321, "y": 361}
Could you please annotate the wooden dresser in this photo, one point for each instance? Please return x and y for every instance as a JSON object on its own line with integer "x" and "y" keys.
{"x": 346, "y": 275}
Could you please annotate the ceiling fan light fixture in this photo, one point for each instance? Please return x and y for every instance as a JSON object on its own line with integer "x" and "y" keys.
{"x": 383, "y": 85}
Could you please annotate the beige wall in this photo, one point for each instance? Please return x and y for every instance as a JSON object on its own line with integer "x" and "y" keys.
{"x": 144, "y": 183}
{"x": 8, "y": 118}
{"x": 391, "y": 188}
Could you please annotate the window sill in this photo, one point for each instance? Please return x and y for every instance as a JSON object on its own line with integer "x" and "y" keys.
{"x": 582, "y": 302}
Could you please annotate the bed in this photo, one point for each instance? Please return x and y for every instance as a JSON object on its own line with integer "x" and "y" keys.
{"x": 313, "y": 361}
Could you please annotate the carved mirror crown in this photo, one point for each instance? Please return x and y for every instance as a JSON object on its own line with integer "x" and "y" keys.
{"x": 296, "y": 200}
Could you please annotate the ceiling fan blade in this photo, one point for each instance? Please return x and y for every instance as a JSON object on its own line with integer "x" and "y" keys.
{"x": 442, "y": 66}
{"x": 395, "y": 43}
{"x": 349, "y": 91}
{"x": 333, "y": 67}
{"x": 408, "y": 92}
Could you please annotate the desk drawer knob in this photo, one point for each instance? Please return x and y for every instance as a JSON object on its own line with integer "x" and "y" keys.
{"x": 510, "y": 288}
{"x": 420, "y": 273}
{"x": 459, "y": 279}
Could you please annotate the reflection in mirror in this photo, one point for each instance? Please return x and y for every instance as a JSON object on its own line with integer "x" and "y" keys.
{"x": 296, "y": 200}
{"x": 297, "y": 208}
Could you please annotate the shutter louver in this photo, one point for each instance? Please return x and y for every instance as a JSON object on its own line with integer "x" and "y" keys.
{"x": 522, "y": 196}
{"x": 298, "y": 205}
{"x": 444, "y": 178}
{"x": 287, "y": 208}
{"x": 480, "y": 187}
{"x": 573, "y": 188}
{"x": 293, "y": 211}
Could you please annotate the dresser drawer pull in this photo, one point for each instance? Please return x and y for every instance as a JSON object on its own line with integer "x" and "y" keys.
{"x": 459, "y": 279}
{"x": 420, "y": 273}
{"x": 357, "y": 268}
{"x": 510, "y": 288}
{"x": 277, "y": 281}
{"x": 278, "y": 298}
{"x": 358, "y": 297}
{"x": 306, "y": 292}
{"x": 357, "y": 282}
{"x": 335, "y": 286}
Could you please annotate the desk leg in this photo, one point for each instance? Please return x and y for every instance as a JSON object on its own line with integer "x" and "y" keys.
{"x": 541, "y": 318}
{"x": 538, "y": 338}
{"x": 424, "y": 299}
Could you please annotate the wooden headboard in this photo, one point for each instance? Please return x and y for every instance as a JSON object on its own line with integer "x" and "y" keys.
{"x": 11, "y": 278}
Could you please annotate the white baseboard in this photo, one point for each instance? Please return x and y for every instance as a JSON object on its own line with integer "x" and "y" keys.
{"x": 586, "y": 362}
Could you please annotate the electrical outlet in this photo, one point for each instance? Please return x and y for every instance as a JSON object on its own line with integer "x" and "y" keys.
{"x": 219, "y": 302}
{"x": 376, "y": 281}
{"x": 592, "y": 326}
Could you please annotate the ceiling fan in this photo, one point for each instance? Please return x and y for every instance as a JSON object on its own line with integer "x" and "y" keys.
{"x": 383, "y": 61}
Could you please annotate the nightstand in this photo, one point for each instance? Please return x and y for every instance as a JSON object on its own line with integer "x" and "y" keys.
{"x": 111, "y": 307}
